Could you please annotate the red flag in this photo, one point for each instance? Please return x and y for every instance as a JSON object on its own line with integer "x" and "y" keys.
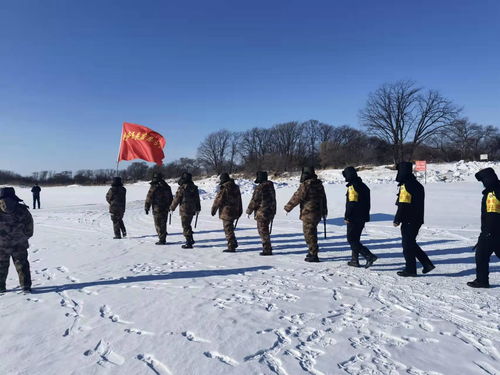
{"x": 140, "y": 142}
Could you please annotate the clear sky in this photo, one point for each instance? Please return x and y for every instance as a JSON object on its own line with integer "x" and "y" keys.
{"x": 71, "y": 72}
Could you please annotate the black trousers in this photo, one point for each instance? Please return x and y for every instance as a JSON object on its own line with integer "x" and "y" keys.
{"x": 354, "y": 230}
{"x": 487, "y": 244}
{"x": 411, "y": 250}
{"x": 118, "y": 225}
{"x": 36, "y": 199}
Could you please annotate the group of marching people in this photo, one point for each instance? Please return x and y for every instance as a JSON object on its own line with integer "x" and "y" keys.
{"x": 16, "y": 222}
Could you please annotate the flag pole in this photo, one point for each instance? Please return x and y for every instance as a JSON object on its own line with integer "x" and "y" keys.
{"x": 119, "y": 153}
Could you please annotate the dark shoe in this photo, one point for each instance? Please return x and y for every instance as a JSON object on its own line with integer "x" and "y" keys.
{"x": 478, "y": 284}
{"x": 428, "y": 268}
{"x": 27, "y": 290}
{"x": 370, "y": 261}
{"x": 353, "y": 263}
{"x": 3, "y": 289}
{"x": 160, "y": 243}
{"x": 124, "y": 234}
{"x": 312, "y": 259}
{"x": 229, "y": 251}
{"x": 187, "y": 245}
{"x": 405, "y": 273}
{"x": 264, "y": 253}
{"x": 117, "y": 237}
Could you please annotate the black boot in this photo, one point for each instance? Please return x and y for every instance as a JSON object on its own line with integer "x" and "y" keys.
{"x": 117, "y": 237}
{"x": 161, "y": 243}
{"x": 311, "y": 258}
{"x": 478, "y": 284}
{"x": 353, "y": 263}
{"x": 229, "y": 251}
{"x": 187, "y": 245}
{"x": 428, "y": 268}
{"x": 3, "y": 289}
{"x": 370, "y": 261}
{"x": 266, "y": 252}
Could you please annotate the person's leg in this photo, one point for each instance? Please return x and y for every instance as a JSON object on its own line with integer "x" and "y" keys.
{"x": 116, "y": 225}
{"x": 265, "y": 237}
{"x": 160, "y": 220}
{"x": 4, "y": 267}
{"x": 187, "y": 230}
{"x": 20, "y": 258}
{"x": 311, "y": 238}
{"x": 409, "y": 244}
{"x": 484, "y": 249}
{"x": 232, "y": 244}
{"x": 353, "y": 238}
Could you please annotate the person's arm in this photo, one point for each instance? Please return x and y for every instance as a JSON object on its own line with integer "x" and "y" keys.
{"x": 253, "y": 205}
{"x": 240, "y": 203}
{"x": 109, "y": 196}
{"x": 27, "y": 221}
{"x": 324, "y": 203}
{"x": 178, "y": 199}
{"x": 198, "y": 203}
{"x": 217, "y": 201}
{"x": 296, "y": 199}
{"x": 149, "y": 199}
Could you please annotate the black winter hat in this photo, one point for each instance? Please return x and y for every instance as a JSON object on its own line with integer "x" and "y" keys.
{"x": 224, "y": 177}
{"x": 487, "y": 176}
{"x": 307, "y": 174}
{"x": 261, "y": 177}
{"x": 185, "y": 178}
{"x": 405, "y": 170}
{"x": 350, "y": 174}
{"x": 9, "y": 192}
{"x": 117, "y": 181}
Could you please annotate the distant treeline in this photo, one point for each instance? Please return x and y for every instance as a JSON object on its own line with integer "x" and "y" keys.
{"x": 399, "y": 122}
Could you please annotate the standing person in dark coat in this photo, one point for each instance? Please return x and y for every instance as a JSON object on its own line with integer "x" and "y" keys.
{"x": 36, "y": 195}
{"x": 263, "y": 206}
{"x": 16, "y": 228}
{"x": 228, "y": 203}
{"x": 357, "y": 213}
{"x": 160, "y": 198}
{"x": 410, "y": 215}
{"x": 188, "y": 198}
{"x": 116, "y": 197}
{"x": 313, "y": 206}
{"x": 489, "y": 239}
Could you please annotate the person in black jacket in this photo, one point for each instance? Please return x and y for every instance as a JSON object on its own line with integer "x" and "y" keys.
{"x": 489, "y": 239}
{"x": 410, "y": 215}
{"x": 357, "y": 213}
{"x": 36, "y": 195}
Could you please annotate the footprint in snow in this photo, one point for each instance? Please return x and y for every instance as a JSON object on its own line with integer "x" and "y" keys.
{"x": 222, "y": 358}
{"x": 191, "y": 337}
{"x": 155, "y": 365}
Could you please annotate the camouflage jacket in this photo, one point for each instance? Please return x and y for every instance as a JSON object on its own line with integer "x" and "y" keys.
{"x": 16, "y": 224}
{"x": 159, "y": 197}
{"x": 188, "y": 197}
{"x": 116, "y": 197}
{"x": 263, "y": 203}
{"x": 312, "y": 199}
{"x": 228, "y": 202}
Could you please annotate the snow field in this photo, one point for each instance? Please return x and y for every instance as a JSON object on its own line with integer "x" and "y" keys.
{"x": 103, "y": 306}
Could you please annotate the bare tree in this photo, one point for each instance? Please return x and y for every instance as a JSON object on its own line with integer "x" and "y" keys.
{"x": 213, "y": 151}
{"x": 289, "y": 142}
{"x": 402, "y": 113}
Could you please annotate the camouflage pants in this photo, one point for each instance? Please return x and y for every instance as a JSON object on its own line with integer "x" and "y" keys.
{"x": 20, "y": 258}
{"x": 265, "y": 236}
{"x": 232, "y": 244}
{"x": 311, "y": 236}
{"x": 187, "y": 230}
{"x": 161, "y": 225}
{"x": 118, "y": 225}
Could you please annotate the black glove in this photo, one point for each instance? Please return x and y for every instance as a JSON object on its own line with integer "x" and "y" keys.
{"x": 147, "y": 211}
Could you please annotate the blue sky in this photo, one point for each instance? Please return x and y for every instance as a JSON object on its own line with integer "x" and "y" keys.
{"x": 71, "y": 72}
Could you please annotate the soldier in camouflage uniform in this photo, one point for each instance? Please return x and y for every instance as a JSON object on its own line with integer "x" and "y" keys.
{"x": 228, "y": 203}
{"x": 16, "y": 227}
{"x": 160, "y": 198}
{"x": 313, "y": 206}
{"x": 188, "y": 198}
{"x": 116, "y": 197}
{"x": 263, "y": 206}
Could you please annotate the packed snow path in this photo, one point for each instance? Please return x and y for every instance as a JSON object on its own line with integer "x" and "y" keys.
{"x": 104, "y": 306}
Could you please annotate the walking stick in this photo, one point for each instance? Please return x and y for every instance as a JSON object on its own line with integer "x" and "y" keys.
{"x": 236, "y": 223}
{"x": 196, "y": 220}
{"x": 324, "y": 225}
{"x": 170, "y": 218}
{"x": 271, "y": 227}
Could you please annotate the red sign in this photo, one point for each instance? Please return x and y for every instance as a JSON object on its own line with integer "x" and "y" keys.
{"x": 140, "y": 142}
{"x": 420, "y": 165}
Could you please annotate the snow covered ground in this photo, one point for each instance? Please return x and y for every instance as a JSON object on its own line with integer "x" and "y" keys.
{"x": 104, "y": 306}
